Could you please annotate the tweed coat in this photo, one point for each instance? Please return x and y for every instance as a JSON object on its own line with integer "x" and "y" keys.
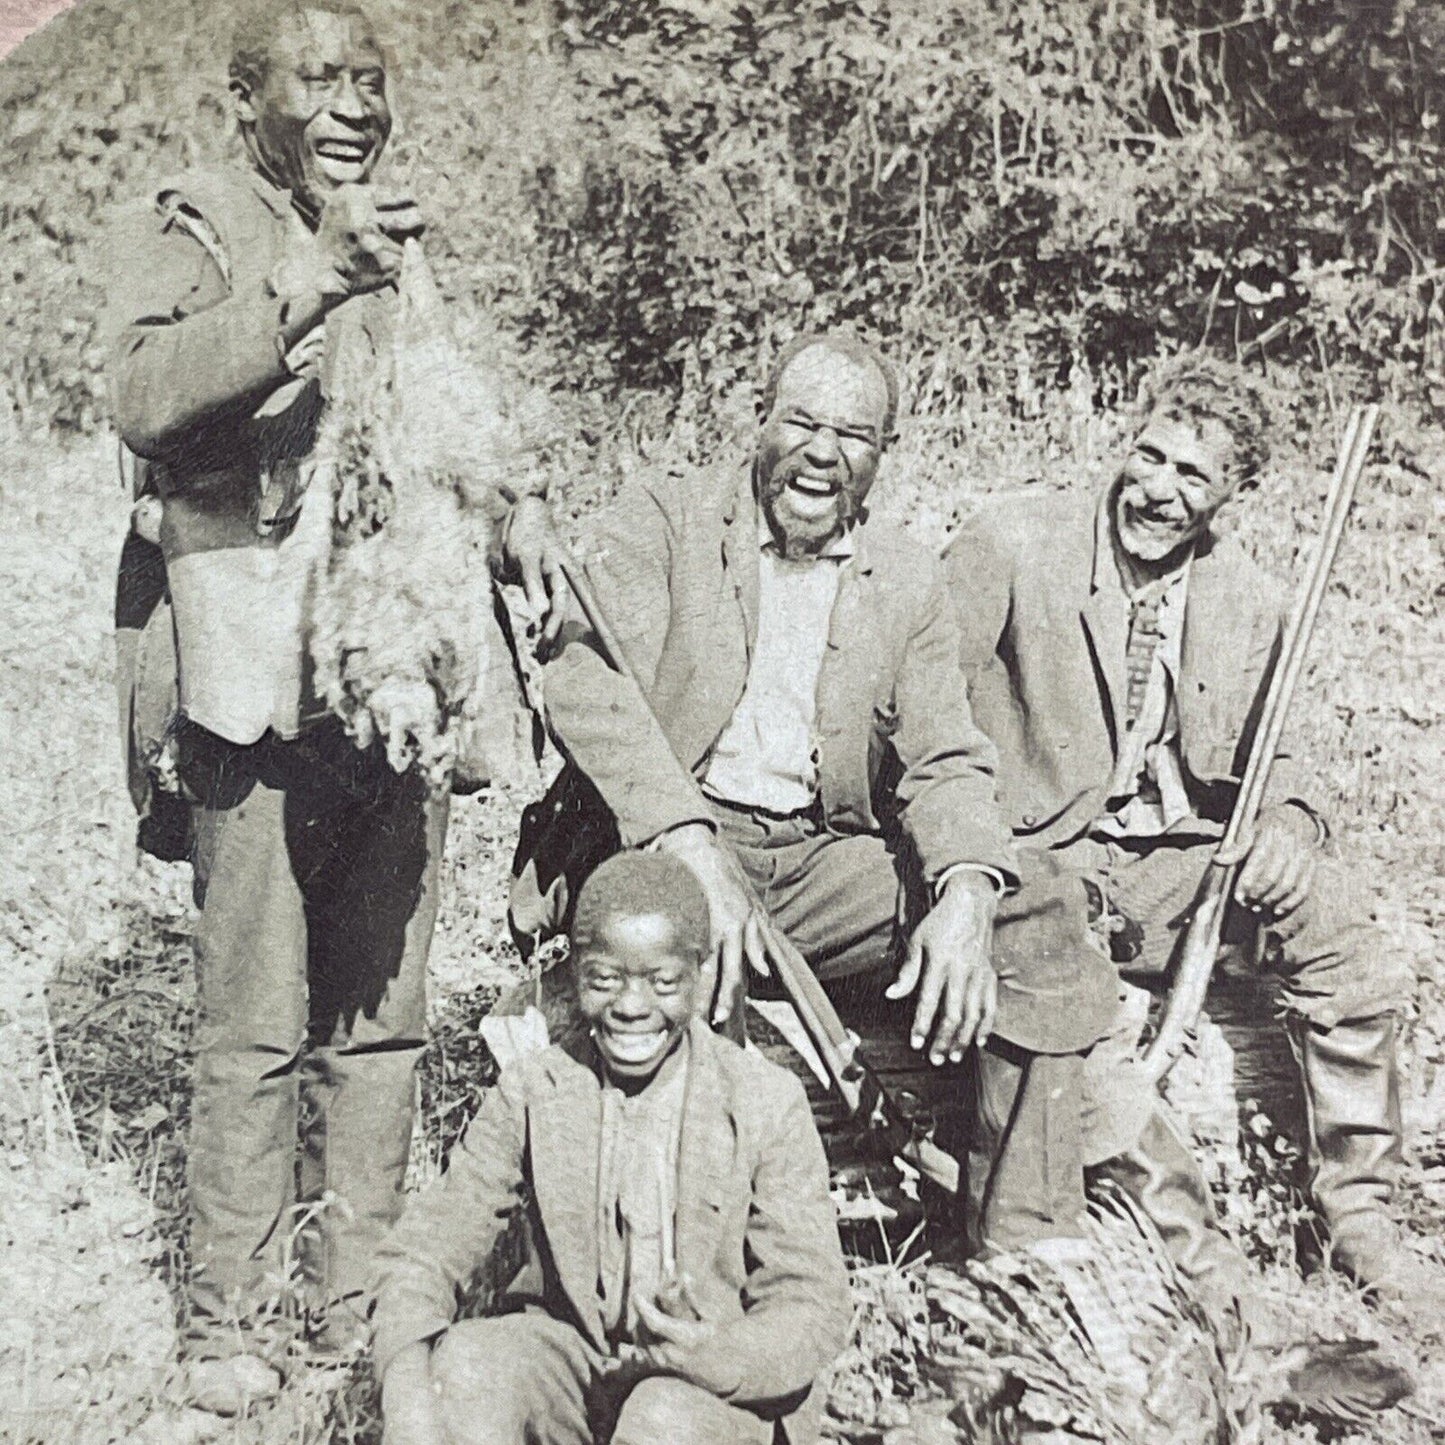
{"x": 675, "y": 564}
{"x": 754, "y": 1223}
{"x": 1045, "y": 629}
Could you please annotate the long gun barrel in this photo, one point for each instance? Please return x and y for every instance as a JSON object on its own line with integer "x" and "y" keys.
{"x": 1201, "y": 942}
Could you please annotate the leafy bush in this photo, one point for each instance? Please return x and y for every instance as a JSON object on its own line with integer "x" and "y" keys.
{"x": 1021, "y": 196}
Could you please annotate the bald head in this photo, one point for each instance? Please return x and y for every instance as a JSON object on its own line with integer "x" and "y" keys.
{"x": 848, "y": 345}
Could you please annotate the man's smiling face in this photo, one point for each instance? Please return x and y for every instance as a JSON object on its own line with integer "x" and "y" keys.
{"x": 637, "y": 987}
{"x": 318, "y": 116}
{"x": 1178, "y": 474}
{"x": 819, "y": 447}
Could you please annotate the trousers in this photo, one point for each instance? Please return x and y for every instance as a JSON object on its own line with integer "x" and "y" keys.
{"x": 530, "y": 1379}
{"x": 846, "y": 900}
{"x": 1332, "y": 960}
{"x": 316, "y": 876}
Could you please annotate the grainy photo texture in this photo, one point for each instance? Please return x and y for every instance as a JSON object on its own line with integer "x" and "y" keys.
{"x": 724, "y": 722}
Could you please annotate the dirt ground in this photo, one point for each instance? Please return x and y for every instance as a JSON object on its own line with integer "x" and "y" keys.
{"x": 95, "y": 969}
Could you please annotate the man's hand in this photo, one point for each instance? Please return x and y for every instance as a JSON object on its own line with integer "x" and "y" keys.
{"x": 736, "y": 930}
{"x": 409, "y": 1406}
{"x": 949, "y": 951}
{"x": 1279, "y": 862}
{"x": 531, "y": 550}
{"x": 356, "y": 247}
{"x": 360, "y": 235}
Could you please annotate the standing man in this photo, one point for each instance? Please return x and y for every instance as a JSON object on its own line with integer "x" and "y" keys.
{"x": 1119, "y": 651}
{"x": 804, "y": 714}
{"x": 315, "y": 865}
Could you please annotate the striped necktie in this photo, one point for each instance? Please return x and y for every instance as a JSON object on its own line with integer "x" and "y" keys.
{"x": 1144, "y": 638}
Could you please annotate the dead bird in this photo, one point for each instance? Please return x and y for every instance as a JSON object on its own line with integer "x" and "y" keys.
{"x": 1105, "y": 1342}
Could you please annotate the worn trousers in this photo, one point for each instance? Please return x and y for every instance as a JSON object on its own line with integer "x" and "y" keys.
{"x": 316, "y": 876}
{"x": 846, "y": 900}
{"x": 529, "y": 1379}
{"x": 1333, "y": 961}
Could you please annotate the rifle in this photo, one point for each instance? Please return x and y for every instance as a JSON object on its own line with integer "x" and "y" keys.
{"x": 857, "y": 1085}
{"x": 1201, "y": 942}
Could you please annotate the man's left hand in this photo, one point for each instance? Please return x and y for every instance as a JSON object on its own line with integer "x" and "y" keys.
{"x": 950, "y": 953}
{"x": 531, "y": 548}
{"x": 1279, "y": 863}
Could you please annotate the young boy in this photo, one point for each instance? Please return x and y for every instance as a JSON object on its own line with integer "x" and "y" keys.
{"x": 685, "y": 1281}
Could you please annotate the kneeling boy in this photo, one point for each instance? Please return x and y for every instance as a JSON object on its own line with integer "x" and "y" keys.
{"x": 686, "y": 1282}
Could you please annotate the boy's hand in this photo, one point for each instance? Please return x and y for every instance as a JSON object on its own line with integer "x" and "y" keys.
{"x": 680, "y": 1333}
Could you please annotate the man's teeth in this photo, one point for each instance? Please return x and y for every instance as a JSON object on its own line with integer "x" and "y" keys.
{"x": 336, "y": 150}
{"x": 814, "y": 486}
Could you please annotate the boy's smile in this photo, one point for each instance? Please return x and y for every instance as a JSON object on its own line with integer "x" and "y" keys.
{"x": 637, "y": 988}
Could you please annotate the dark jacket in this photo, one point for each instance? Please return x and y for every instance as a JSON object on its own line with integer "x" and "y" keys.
{"x": 202, "y": 392}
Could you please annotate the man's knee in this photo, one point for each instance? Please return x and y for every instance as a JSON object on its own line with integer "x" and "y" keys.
{"x": 663, "y": 1408}
{"x": 1338, "y": 962}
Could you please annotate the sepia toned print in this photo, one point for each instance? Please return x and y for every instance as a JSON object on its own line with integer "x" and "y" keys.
{"x": 727, "y": 722}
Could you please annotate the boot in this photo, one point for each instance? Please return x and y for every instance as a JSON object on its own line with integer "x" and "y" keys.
{"x": 1161, "y": 1174}
{"x": 1354, "y": 1153}
{"x": 1025, "y": 1175}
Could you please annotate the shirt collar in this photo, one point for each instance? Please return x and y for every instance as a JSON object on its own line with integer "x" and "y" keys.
{"x": 277, "y": 199}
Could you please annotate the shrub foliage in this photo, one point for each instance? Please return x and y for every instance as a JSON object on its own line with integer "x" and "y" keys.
{"x": 1019, "y": 195}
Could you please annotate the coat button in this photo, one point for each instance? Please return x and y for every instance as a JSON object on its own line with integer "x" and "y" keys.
{"x": 1030, "y": 820}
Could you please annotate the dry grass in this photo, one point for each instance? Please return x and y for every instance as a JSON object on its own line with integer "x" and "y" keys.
{"x": 91, "y": 1198}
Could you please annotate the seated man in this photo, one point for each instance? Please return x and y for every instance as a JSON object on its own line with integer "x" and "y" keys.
{"x": 804, "y": 713}
{"x": 686, "y": 1281}
{"x": 1118, "y": 652}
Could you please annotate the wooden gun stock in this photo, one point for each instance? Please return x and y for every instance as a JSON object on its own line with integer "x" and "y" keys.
{"x": 860, "y": 1089}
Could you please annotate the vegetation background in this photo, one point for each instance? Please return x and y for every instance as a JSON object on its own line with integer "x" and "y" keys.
{"x": 637, "y": 202}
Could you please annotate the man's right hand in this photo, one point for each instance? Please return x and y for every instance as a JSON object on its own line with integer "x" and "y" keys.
{"x": 735, "y": 913}
{"x": 356, "y": 248}
{"x": 361, "y": 234}
{"x": 410, "y": 1410}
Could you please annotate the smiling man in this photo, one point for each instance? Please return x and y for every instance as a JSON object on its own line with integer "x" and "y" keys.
{"x": 1118, "y": 651}
{"x": 799, "y": 711}
{"x": 315, "y": 866}
{"x": 685, "y": 1282}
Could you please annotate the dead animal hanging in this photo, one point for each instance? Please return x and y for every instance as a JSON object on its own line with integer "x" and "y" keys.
{"x": 420, "y": 447}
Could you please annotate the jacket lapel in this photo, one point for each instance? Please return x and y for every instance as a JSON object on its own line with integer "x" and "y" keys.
{"x": 740, "y": 554}
{"x": 1222, "y": 656}
{"x": 1105, "y": 618}
{"x": 704, "y": 1156}
{"x": 565, "y": 1142}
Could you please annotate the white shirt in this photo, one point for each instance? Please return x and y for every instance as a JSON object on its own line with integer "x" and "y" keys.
{"x": 767, "y": 755}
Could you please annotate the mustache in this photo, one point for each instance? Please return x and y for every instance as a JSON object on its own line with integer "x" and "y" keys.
{"x": 1144, "y": 510}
